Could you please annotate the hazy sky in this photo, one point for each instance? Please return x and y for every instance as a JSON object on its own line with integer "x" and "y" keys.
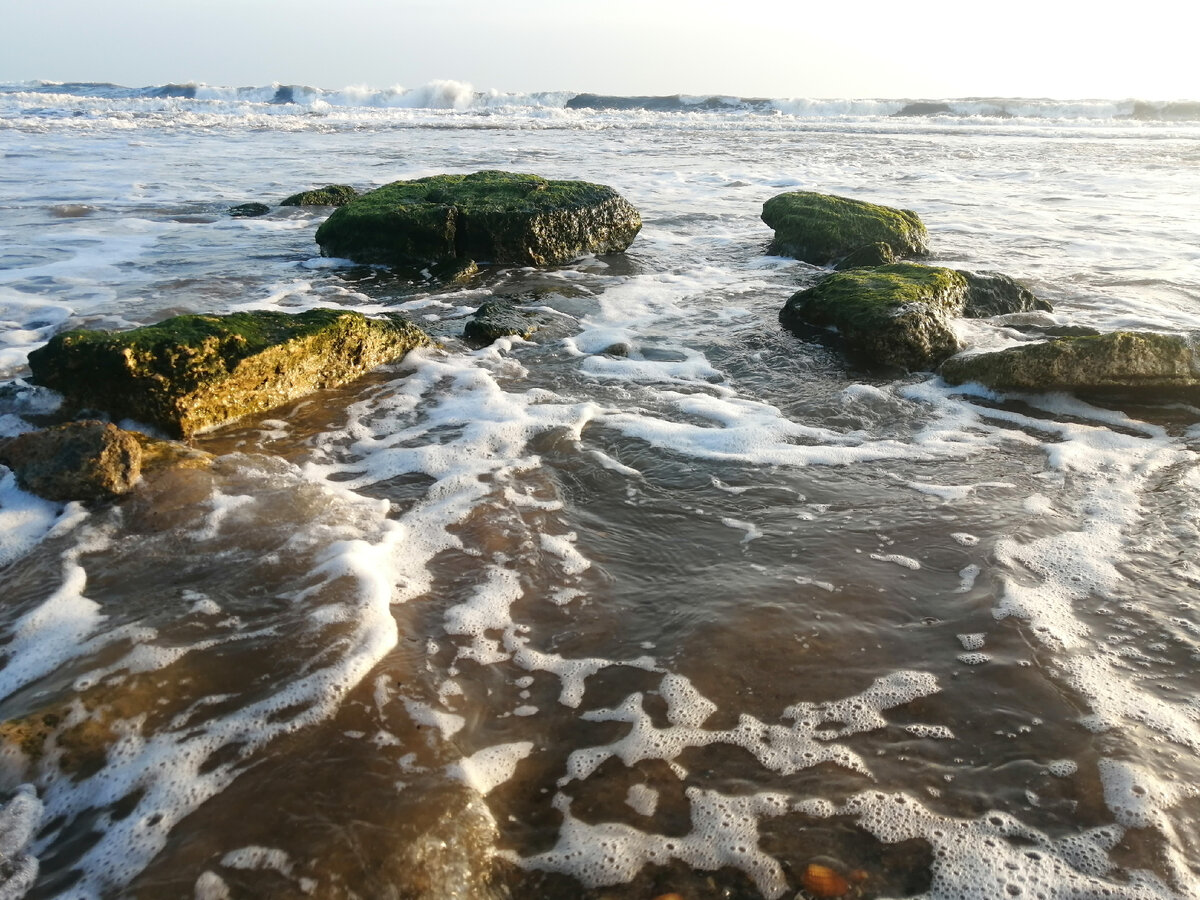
{"x": 864, "y": 48}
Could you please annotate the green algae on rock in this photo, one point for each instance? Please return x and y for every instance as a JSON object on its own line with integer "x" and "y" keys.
{"x": 1121, "y": 361}
{"x": 897, "y": 315}
{"x": 195, "y": 372}
{"x": 822, "y": 228}
{"x": 330, "y": 195}
{"x": 491, "y": 217}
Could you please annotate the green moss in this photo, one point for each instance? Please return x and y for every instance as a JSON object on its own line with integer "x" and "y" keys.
{"x": 1119, "y": 360}
{"x": 897, "y": 315}
{"x": 330, "y": 195}
{"x": 193, "y": 372}
{"x": 494, "y": 217}
{"x": 821, "y": 228}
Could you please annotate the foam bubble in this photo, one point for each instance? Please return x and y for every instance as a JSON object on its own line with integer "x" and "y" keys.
{"x": 487, "y": 769}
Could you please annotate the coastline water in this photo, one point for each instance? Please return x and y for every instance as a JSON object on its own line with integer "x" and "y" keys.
{"x": 546, "y": 619}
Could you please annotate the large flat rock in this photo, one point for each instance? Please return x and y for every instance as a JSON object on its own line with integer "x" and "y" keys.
{"x": 191, "y": 373}
{"x": 1122, "y": 361}
{"x": 490, "y": 217}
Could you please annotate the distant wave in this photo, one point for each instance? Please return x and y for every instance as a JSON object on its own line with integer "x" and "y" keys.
{"x": 462, "y": 97}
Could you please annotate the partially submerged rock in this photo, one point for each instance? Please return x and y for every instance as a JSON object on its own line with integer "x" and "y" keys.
{"x": 497, "y": 319}
{"x": 994, "y": 294}
{"x": 249, "y": 210}
{"x": 87, "y": 460}
{"x": 897, "y": 315}
{"x": 822, "y": 228}
{"x": 195, "y": 372}
{"x": 1121, "y": 361}
{"x": 902, "y": 314}
{"x": 330, "y": 195}
{"x": 492, "y": 217}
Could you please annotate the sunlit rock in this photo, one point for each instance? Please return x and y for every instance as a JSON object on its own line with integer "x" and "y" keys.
{"x": 195, "y": 372}
{"x": 1120, "y": 361}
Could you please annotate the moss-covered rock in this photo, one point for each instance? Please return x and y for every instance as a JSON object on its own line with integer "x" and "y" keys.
{"x": 1121, "y": 361}
{"x": 249, "y": 210}
{"x": 491, "y": 217}
{"x": 897, "y": 315}
{"x": 497, "y": 319}
{"x": 822, "y": 228}
{"x": 195, "y": 372}
{"x": 87, "y": 461}
{"x": 330, "y": 195}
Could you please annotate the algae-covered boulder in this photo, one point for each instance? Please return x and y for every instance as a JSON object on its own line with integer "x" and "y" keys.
{"x": 497, "y": 319}
{"x": 897, "y": 315}
{"x": 1121, "y": 361}
{"x": 87, "y": 460}
{"x": 822, "y": 228}
{"x": 490, "y": 217}
{"x": 194, "y": 372}
{"x": 330, "y": 195}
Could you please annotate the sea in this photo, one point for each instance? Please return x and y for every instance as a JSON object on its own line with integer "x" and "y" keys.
{"x": 662, "y": 602}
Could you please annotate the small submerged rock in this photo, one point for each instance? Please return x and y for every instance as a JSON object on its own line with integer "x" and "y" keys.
{"x": 88, "y": 460}
{"x": 330, "y": 195}
{"x": 1122, "y": 361}
{"x": 249, "y": 210}
{"x": 195, "y": 372}
{"x": 497, "y": 319}
{"x": 493, "y": 217}
{"x": 823, "y": 228}
{"x": 902, "y": 314}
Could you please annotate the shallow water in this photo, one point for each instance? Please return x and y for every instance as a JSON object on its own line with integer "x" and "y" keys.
{"x": 541, "y": 620}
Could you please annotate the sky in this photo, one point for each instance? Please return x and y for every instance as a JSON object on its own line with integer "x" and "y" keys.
{"x": 748, "y": 48}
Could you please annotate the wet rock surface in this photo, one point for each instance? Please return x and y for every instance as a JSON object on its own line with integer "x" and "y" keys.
{"x": 497, "y": 319}
{"x": 823, "y": 228}
{"x": 249, "y": 210}
{"x": 1122, "y": 361}
{"x": 88, "y": 460}
{"x": 995, "y": 294}
{"x": 492, "y": 217}
{"x": 195, "y": 372}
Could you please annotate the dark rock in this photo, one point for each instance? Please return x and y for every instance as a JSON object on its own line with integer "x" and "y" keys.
{"x": 195, "y": 372}
{"x": 821, "y": 228}
{"x": 493, "y": 217}
{"x": 87, "y": 460}
{"x": 249, "y": 210}
{"x": 868, "y": 257}
{"x": 924, "y": 108}
{"x": 496, "y": 319}
{"x": 330, "y": 195}
{"x": 1123, "y": 361}
{"x": 898, "y": 315}
{"x": 993, "y": 294}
